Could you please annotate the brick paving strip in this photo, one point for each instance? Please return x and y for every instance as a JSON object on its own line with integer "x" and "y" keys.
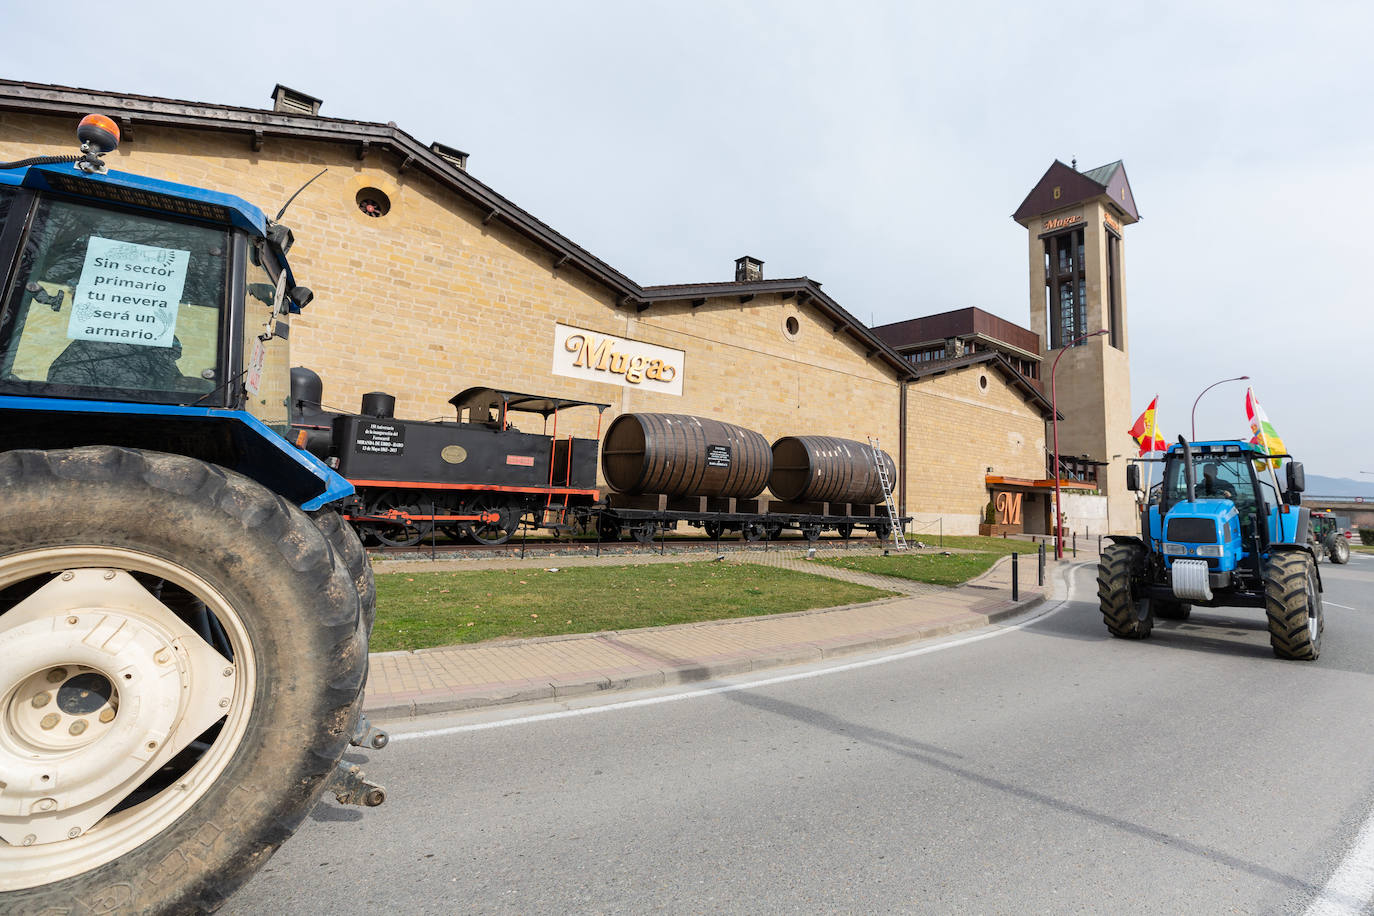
{"x": 448, "y": 678}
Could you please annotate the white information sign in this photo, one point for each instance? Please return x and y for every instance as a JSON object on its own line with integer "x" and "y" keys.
{"x": 597, "y": 357}
{"x": 128, "y": 293}
{"x": 253, "y": 381}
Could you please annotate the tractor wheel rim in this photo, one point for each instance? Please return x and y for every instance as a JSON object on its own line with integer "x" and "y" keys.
{"x": 1314, "y": 613}
{"x": 105, "y": 688}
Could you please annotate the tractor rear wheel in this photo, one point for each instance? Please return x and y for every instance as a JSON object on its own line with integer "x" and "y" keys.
{"x": 1338, "y": 550}
{"x": 184, "y": 659}
{"x": 1170, "y": 610}
{"x": 1293, "y": 606}
{"x": 1127, "y": 615}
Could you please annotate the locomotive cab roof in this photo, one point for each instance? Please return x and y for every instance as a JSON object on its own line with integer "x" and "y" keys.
{"x": 479, "y": 399}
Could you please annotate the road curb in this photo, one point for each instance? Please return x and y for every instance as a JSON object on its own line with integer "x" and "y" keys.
{"x": 492, "y": 695}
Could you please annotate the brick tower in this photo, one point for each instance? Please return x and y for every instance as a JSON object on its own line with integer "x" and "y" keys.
{"x": 1075, "y": 226}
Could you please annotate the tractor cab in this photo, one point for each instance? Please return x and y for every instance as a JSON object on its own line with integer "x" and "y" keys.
{"x": 146, "y": 303}
{"x": 1227, "y": 498}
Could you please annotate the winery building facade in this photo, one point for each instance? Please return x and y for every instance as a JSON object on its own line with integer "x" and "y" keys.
{"x": 427, "y": 282}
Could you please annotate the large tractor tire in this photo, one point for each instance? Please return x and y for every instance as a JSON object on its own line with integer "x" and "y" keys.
{"x": 1293, "y": 605}
{"x": 1127, "y": 616}
{"x": 349, "y": 551}
{"x": 184, "y": 657}
{"x": 1338, "y": 550}
{"x": 1171, "y": 610}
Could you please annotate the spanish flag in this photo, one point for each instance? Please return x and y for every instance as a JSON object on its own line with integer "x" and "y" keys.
{"x": 1146, "y": 433}
{"x": 1265, "y": 437}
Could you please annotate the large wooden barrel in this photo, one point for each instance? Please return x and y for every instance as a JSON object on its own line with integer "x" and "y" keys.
{"x": 684, "y": 456}
{"x": 826, "y": 469}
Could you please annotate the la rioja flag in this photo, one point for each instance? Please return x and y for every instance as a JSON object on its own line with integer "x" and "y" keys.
{"x": 1146, "y": 433}
{"x": 1265, "y": 437}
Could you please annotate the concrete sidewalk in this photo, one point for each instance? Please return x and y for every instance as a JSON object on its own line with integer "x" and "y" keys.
{"x": 403, "y": 684}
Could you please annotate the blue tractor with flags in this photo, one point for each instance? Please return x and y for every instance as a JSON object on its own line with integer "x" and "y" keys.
{"x": 183, "y": 617}
{"x": 1223, "y": 532}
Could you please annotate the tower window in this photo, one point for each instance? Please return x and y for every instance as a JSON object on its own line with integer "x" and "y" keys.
{"x": 1113, "y": 294}
{"x": 1066, "y": 300}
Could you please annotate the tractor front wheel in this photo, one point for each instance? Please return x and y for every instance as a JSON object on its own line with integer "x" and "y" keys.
{"x": 1293, "y": 606}
{"x": 184, "y": 655}
{"x": 1127, "y": 615}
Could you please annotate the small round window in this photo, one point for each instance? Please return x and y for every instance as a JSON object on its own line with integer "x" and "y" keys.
{"x": 983, "y": 382}
{"x": 374, "y": 202}
{"x": 791, "y": 327}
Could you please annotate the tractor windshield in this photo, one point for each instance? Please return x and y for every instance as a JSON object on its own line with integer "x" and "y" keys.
{"x": 114, "y": 305}
{"x": 1217, "y": 476}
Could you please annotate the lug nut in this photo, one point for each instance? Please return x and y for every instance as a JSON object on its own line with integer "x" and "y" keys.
{"x": 224, "y": 703}
{"x": 228, "y": 672}
{"x": 41, "y": 699}
{"x": 30, "y": 839}
{"x": 74, "y": 833}
{"x": 77, "y": 727}
{"x": 49, "y": 721}
{"x": 107, "y": 714}
{"x": 109, "y": 574}
{"x": 68, "y": 576}
{"x": 46, "y": 804}
{"x": 160, "y": 656}
{"x": 72, "y": 620}
{"x": 57, "y": 675}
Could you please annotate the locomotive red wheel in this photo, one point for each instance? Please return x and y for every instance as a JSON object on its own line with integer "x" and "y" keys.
{"x": 492, "y": 532}
{"x": 400, "y": 533}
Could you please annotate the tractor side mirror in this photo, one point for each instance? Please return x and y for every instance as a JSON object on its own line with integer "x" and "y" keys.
{"x": 1297, "y": 480}
{"x": 1292, "y": 497}
{"x": 1133, "y": 477}
{"x": 301, "y": 295}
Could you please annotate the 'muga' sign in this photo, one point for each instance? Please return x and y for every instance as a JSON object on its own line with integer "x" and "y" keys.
{"x": 579, "y": 353}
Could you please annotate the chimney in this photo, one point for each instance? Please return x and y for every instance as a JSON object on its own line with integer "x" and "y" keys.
{"x": 747, "y": 268}
{"x": 455, "y": 156}
{"x": 289, "y": 101}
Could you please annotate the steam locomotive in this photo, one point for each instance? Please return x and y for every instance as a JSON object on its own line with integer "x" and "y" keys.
{"x": 479, "y": 477}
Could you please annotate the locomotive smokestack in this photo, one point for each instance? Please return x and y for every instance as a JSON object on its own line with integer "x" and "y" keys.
{"x": 378, "y": 404}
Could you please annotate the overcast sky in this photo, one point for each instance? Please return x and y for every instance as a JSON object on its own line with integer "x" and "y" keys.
{"x": 878, "y": 148}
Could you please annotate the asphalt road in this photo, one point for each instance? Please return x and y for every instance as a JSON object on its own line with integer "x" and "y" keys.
{"x": 1042, "y": 769}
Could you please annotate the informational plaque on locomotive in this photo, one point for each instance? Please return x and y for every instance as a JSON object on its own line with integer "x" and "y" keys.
{"x": 717, "y": 456}
{"x": 377, "y": 438}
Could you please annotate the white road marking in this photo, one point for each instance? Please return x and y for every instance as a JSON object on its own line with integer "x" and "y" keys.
{"x": 1067, "y": 579}
{"x": 1344, "y": 607}
{"x": 1351, "y": 886}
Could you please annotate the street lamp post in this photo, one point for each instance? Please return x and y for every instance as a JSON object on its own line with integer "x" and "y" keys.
{"x": 1054, "y": 414}
{"x": 1239, "y": 378}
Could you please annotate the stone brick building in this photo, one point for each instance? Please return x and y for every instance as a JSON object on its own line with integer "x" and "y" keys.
{"x": 428, "y": 281}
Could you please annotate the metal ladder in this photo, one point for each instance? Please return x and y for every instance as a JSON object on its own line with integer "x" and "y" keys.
{"x": 898, "y": 541}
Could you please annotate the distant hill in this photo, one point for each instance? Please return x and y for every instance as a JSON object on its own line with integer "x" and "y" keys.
{"x": 1318, "y": 485}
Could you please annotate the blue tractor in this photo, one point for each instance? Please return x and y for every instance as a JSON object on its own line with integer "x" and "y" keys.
{"x": 183, "y": 617}
{"x": 1221, "y": 532}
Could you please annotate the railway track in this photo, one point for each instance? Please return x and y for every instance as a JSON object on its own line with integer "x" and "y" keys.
{"x": 544, "y": 546}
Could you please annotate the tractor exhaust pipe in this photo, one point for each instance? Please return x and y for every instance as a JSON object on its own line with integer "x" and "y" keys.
{"x": 1188, "y": 469}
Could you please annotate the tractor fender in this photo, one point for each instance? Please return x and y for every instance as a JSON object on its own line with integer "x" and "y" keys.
{"x": 232, "y": 439}
{"x": 1125, "y": 539}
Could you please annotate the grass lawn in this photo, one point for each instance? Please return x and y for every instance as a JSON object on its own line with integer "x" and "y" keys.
{"x": 934, "y": 568}
{"x": 419, "y": 610}
{"x": 998, "y": 546}
{"x": 1362, "y": 548}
